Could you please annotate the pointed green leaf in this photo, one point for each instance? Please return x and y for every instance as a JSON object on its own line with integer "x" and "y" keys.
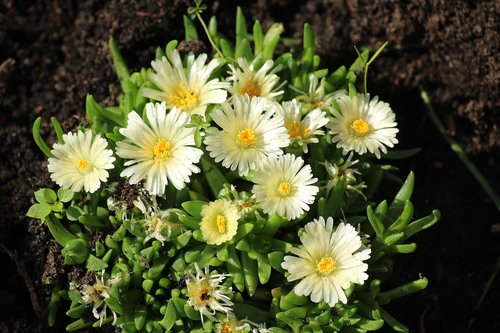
{"x": 397, "y": 205}
{"x": 422, "y": 223}
{"x": 194, "y": 207}
{"x": 404, "y": 218}
{"x": 120, "y": 67}
{"x": 38, "y": 138}
{"x": 60, "y": 233}
{"x": 375, "y": 222}
{"x": 95, "y": 264}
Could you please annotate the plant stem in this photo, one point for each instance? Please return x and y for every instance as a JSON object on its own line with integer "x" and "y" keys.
{"x": 455, "y": 147}
{"x": 209, "y": 36}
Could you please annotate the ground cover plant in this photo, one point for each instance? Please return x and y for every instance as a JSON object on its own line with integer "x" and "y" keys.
{"x": 230, "y": 192}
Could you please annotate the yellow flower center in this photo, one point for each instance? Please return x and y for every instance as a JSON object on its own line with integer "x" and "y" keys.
{"x": 246, "y": 137}
{"x": 297, "y": 130}
{"x": 162, "y": 149}
{"x": 360, "y": 126}
{"x": 199, "y": 293}
{"x": 225, "y": 328}
{"x": 182, "y": 97}
{"x": 326, "y": 265}
{"x": 284, "y": 188}
{"x": 82, "y": 165}
{"x": 251, "y": 88}
{"x": 221, "y": 223}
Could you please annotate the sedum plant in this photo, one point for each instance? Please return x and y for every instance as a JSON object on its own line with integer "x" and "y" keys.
{"x": 230, "y": 191}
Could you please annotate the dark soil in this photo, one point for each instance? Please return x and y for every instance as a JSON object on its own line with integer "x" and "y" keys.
{"x": 54, "y": 52}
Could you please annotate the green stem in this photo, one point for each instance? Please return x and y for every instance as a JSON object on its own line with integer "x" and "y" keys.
{"x": 380, "y": 49}
{"x": 209, "y": 36}
{"x": 455, "y": 147}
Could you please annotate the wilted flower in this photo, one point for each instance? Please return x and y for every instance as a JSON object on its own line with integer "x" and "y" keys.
{"x": 96, "y": 294}
{"x": 207, "y": 294}
{"x": 302, "y": 130}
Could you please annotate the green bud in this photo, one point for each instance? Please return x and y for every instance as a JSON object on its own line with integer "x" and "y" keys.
{"x": 75, "y": 252}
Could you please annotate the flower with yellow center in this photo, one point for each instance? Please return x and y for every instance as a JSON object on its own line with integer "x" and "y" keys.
{"x": 232, "y": 325}
{"x": 161, "y": 151}
{"x": 250, "y": 131}
{"x": 302, "y": 131}
{"x": 81, "y": 162}
{"x": 363, "y": 126}
{"x": 255, "y": 79}
{"x": 188, "y": 89}
{"x": 207, "y": 294}
{"x": 219, "y": 221}
{"x": 328, "y": 261}
{"x": 284, "y": 186}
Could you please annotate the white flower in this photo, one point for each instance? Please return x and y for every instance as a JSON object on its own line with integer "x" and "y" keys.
{"x": 81, "y": 162}
{"x": 187, "y": 89}
{"x": 207, "y": 294}
{"x": 316, "y": 97}
{"x": 219, "y": 221}
{"x": 302, "y": 131}
{"x": 329, "y": 261}
{"x": 159, "y": 152}
{"x": 285, "y": 186}
{"x": 363, "y": 125}
{"x": 247, "y": 79}
{"x": 250, "y": 132}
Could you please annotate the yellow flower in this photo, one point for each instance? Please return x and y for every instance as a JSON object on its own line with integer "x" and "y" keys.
{"x": 219, "y": 221}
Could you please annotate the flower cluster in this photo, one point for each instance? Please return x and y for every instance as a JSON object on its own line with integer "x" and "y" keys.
{"x": 228, "y": 193}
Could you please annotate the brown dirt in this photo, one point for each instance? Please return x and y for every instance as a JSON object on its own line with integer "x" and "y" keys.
{"x": 52, "y": 53}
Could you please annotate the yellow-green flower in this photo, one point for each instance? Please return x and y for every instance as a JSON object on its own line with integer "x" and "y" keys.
{"x": 220, "y": 221}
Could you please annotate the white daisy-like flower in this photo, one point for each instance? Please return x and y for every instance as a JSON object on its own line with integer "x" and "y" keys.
{"x": 261, "y": 82}
{"x": 96, "y": 295}
{"x": 346, "y": 170}
{"x": 328, "y": 262}
{"x": 157, "y": 223}
{"x": 159, "y": 152}
{"x": 207, "y": 294}
{"x": 363, "y": 125}
{"x": 316, "y": 96}
{"x": 285, "y": 186}
{"x": 188, "y": 88}
{"x": 250, "y": 132}
{"x": 81, "y": 162}
{"x": 219, "y": 221}
{"x": 302, "y": 131}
